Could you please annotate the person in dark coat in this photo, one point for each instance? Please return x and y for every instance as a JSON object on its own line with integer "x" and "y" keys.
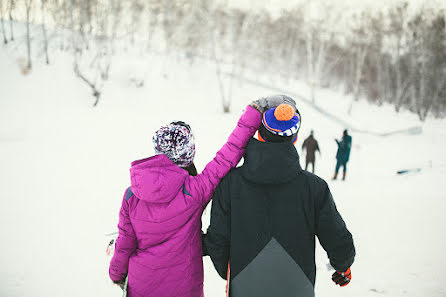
{"x": 267, "y": 214}
{"x": 343, "y": 154}
{"x": 311, "y": 145}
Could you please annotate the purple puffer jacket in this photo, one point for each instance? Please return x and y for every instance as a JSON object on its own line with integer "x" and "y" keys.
{"x": 159, "y": 242}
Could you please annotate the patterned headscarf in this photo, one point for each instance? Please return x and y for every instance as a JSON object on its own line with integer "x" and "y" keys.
{"x": 176, "y": 141}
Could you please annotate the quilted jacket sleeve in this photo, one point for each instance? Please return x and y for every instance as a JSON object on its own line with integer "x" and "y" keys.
{"x": 218, "y": 237}
{"x": 332, "y": 232}
{"x": 126, "y": 242}
{"x": 203, "y": 185}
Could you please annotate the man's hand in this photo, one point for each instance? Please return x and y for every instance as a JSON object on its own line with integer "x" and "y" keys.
{"x": 265, "y": 103}
{"x": 342, "y": 278}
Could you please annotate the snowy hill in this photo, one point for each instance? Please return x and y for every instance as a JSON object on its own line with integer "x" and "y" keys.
{"x": 64, "y": 168}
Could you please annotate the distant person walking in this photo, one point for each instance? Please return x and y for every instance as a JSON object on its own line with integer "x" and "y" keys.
{"x": 343, "y": 154}
{"x": 311, "y": 145}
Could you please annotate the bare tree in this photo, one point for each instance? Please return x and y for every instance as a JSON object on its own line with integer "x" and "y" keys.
{"x": 360, "y": 45}
{"x": 225, "y": 100}
{"x": 429, "y": 59}
{"x": 93, "y": 67}
{"x": 154, "y": 10}
{"x": 395, "y": 55}
{"x": 11, "y": 7}
{"x": 2, "y": 23}
{"x": 136, "y": 11}
{"x": 319, "y": 36}
{"x": 92, "y": 58}
{"x": 92, "y": 84}
{"x": 398, "y": 25}
{"x": 89, "y": 7}
{"x": 116, "y": 6}
{"x": 28, "y": 6}
{"x": 295, "y": 46}
{"x": 45, "y": 37}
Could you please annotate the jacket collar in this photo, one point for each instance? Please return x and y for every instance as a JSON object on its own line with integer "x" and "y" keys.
{"x": 270, "y": 163}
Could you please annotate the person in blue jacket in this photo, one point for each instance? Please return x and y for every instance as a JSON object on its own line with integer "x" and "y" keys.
{"x": 343, "y": 154}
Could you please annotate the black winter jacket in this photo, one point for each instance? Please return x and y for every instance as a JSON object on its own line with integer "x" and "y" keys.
{"x": 264, "y": 220}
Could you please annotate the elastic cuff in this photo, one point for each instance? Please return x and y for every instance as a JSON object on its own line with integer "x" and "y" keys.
{"x": 251, "y": 117}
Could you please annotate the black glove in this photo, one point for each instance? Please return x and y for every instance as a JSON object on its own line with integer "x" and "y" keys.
{"x": 265, "y": 103}
{"x": 342, "y": 278}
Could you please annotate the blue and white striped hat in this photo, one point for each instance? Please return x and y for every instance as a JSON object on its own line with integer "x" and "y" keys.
{"x": 282, "y": 120}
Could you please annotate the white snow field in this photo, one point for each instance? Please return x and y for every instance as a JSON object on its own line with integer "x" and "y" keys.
{"x": 64, "y": 168}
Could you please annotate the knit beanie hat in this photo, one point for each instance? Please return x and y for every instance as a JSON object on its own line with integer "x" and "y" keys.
{"x": 176, "y": 141}
{"x": 280, "y": 122}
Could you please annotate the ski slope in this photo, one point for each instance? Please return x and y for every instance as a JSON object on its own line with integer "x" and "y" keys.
{"x": 64, "y": 169}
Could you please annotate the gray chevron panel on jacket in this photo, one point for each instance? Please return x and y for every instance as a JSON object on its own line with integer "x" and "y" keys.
{"x": 272, "y": 273}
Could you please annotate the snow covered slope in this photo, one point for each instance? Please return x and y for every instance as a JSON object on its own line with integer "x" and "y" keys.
{"x": 64, "y": 168}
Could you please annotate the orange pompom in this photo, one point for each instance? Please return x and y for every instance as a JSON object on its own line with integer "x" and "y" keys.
{"x": 284, "y": 112}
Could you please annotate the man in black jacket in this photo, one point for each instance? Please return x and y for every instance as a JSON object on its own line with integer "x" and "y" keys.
{"x": 266, "y": 215}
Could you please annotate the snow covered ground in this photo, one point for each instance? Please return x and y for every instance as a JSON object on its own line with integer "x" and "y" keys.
{"x": 64, "y": 168}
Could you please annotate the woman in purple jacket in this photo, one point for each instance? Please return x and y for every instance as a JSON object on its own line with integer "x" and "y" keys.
{"x": 159, "y": 243}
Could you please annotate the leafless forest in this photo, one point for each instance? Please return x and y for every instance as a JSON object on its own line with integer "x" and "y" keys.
{"x": 395, "y": 55}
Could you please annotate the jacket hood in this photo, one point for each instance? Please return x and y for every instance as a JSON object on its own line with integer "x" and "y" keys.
{"x": 156, "y": 179}
{"x": 270, "y": 163}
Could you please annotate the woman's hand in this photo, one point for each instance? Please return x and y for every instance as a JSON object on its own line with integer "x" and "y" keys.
{"x": 265, "y": 103}
{"x": 120, "y": 283}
